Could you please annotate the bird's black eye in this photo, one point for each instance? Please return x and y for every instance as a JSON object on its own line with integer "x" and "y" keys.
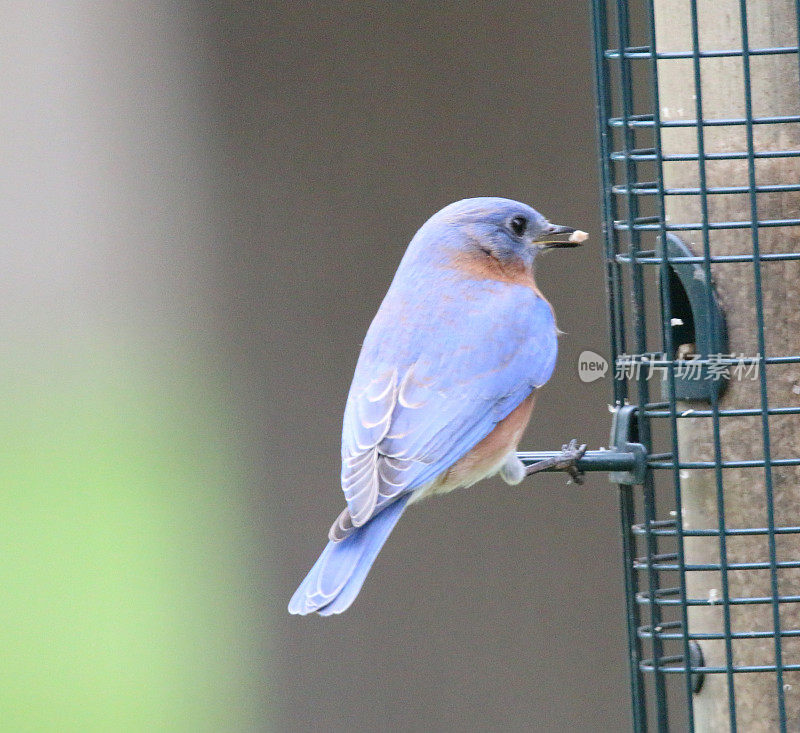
{"x": 518, "y": 225}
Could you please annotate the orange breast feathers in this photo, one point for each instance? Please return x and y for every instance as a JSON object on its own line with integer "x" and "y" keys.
{"x": 486, "y": 457}
{"x": 480, "y": 266}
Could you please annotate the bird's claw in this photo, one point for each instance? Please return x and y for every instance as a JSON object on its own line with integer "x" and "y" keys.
{"x": 571, "y": 453}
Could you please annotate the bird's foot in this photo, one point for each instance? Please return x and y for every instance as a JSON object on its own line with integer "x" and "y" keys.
{"x": 571, "y": 453}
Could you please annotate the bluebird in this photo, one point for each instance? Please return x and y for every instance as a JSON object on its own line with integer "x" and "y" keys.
{"x": 445, "y": 382}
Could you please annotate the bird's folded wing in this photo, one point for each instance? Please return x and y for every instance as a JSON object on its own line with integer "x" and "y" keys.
{"x": 420, "y": 401}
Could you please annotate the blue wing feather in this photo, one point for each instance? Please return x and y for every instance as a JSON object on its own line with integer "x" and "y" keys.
{"x": 433, "y": 380}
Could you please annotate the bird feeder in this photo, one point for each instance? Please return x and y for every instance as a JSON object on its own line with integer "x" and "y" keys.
{"x": 699, "y": 147}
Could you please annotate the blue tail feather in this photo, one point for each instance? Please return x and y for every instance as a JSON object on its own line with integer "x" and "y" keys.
{"x": 337, "y": 576}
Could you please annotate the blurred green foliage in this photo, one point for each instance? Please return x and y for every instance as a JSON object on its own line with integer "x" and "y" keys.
{"x": 126, "y": 571}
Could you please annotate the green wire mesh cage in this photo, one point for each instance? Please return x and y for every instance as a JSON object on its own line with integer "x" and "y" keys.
{"x": 699, "y": 143}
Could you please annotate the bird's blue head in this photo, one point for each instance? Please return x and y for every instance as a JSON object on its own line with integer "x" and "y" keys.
{"x": 508, "y": 232}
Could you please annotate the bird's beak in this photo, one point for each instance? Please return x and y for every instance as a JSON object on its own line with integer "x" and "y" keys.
{"x": 575, "y": 239}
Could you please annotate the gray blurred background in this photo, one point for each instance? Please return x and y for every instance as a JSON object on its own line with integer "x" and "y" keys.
{"x": 221, "y": 193}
